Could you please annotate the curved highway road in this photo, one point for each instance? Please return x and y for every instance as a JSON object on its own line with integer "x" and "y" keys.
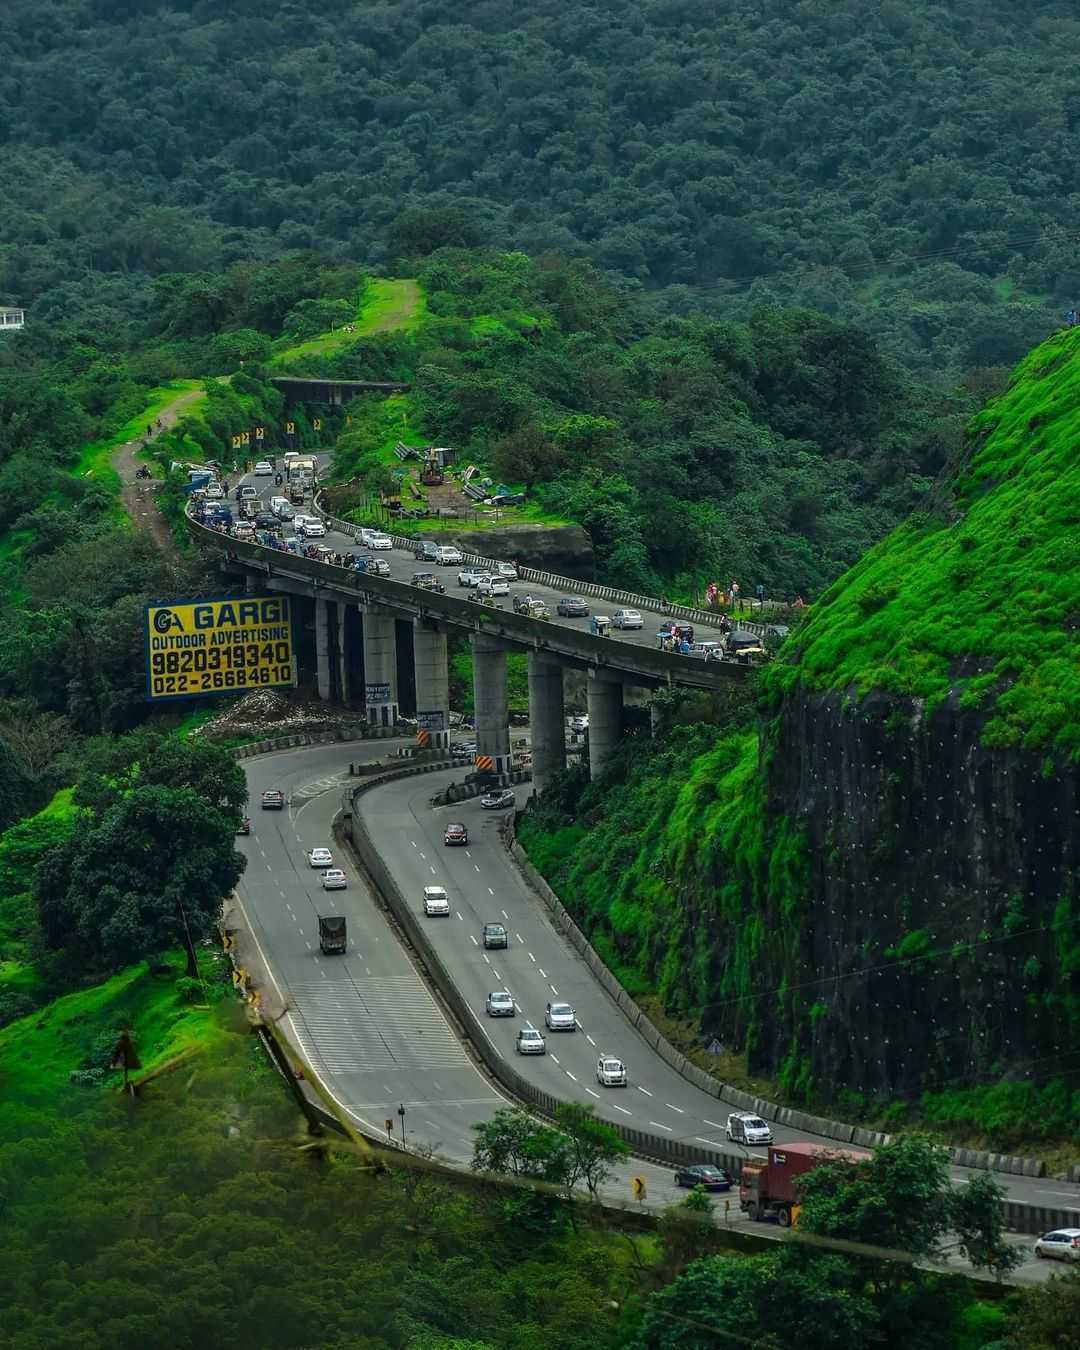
{"x": 484, "y": 885}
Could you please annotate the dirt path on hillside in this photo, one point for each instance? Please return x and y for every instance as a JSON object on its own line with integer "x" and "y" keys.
{"x": 137, "y": 494}
{"x": 402, "y": 312}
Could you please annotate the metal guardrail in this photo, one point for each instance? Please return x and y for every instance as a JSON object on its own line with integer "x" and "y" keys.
{"x": 626, "y": 599}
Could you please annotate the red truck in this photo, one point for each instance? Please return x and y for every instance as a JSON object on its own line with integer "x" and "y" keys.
{"x": 769, "y": 1187}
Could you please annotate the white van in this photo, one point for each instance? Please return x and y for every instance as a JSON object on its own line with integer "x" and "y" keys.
{"x": 290, "y": 455}
{"x": 249, "y": 493}
{"x": 282, "y": 508}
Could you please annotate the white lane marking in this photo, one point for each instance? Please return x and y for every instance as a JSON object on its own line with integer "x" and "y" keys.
{"x": 554, "y": 1060}
{"x": 675, "y": 1108}
{"x": 300, "y": 931}
{"x": 622, "y": 1109}
{"x": 432, "y": 869}
{"x": 659, "y": 1126}
{"x": 424, "y": 856}
{"x": 532, "y": 958}
{"x": 589, "y": 1039}
{"x": 487, "y": 960}
{"x": 520, "y": 938}
{"x": 553, "y": 990}
{"x": 308, "y": 945}
{"x": 705, "y": 1141}
{"x": 475, "y": 868}
{"x": 569, "y": 1074}
{"x": 641, "y": 1089}
{"x": 458, "y": 913}
{"x": 713, "y": 1124}
{"x": 474, "y": 941}
{"x": 281, "y": 893}
{"x": 316, "y": 960}
{"x": 413, "y": 842}
{"x": 593, "y": 1094}
{"x": 468, "y": 854}
{"x": 323, "y": 974}
{"x": 543, "y": 973}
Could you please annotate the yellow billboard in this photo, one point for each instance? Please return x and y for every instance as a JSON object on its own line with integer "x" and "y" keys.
{"x": 206, "y": 647}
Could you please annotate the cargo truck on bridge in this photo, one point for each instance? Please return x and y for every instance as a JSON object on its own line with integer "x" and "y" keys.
{"x": 769, "y": 1186}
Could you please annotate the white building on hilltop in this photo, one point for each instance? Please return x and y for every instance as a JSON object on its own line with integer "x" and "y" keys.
{"x": 11, "y": 319}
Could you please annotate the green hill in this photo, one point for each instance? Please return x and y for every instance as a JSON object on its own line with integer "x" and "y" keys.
{"x": 980, "y": 596}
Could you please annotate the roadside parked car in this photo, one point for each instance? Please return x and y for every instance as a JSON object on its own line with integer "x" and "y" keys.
{"x": 579, "y": 722}
{"x": 610, "y": 1072}
{"x": 320, "y": 857}
{"x": 446, "y": 555}
{"x": 334, "y": 879}
{"x": 436, "y": 901}
{"x": 500, "y": 1003}
{"x": 455, "y": 834}
{"x": 530, "y": 1042}
{"x": 572, "y": 607}
{"x": 497, "y": 801}
{"x": 508, "y": 570}
{"x": 705, "y": 1175}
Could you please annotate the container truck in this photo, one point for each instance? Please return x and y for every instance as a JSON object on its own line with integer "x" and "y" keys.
{"x": 769, "y": 1186}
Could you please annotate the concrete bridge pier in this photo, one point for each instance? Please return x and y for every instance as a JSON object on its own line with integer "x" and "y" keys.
{"x": 546, "y": 718}
{"x": 605, "y": 702}
{"x": 432, "y": 686}
{"x": 322, "y": 647}
{"x": 380, "y": 666}
{"x": 492, "y": 708}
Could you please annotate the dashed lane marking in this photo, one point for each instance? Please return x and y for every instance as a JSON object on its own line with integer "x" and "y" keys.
{"x": 593, "y": 1094}
{"x": 675, "y": 1108}
{"x": 659, "y": 1126}
{"x": 622, "y": 1109}
{"x": 641, "y": 1089}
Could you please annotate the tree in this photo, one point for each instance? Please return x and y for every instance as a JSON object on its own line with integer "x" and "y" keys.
{"x": 1048, "y": 1317}
{"x": 593, "y": 1146}
{"x": 976, "y": 1211}
{"x": 760, "y": 1300}
{"x": 151, "y": 873}
{"x": 514, "y": 1144}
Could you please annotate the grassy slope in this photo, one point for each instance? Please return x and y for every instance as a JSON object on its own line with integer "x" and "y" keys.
{"x": 96, "y": 457}
{"x": 985, "y": 601}
{"x": 387, "y": 305}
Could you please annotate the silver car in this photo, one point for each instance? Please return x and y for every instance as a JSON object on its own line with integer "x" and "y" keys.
{"x": 560, "y": 1017}
{"x": 610, "y": 1072}
{"x": 627, "y": 618}
{"x": 500, "y": 1003}
{"x": 530, "y": 1042}
{"x": 1063, "y": 1244}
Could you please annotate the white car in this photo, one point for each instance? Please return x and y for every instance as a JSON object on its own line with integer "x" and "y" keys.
{"x": 627, "y": 618}
{"x": 320, "y": 857}
{"x": 743, "y": 1127}
{"x": 290, "y": 455}
{"x": 436, "y": 901}
{"x": 310, "y": 528}
{"x": 365, "y": 536}
{"x": 446, "y": 554}
{"x": 493, "y": 586}
{"x": 610, "y": 1072}
{"x": 530, "y": 1042}
{"x": 263, "y": 469}
{"x": 248, "y": 493}
{"x": 380, "y": 541}
{"x": 501, "y": 1004}
{"x": 333, "y": 879}
{"x": 213, "y": 492}
{"x": 243, "y": 529}
{"x": 469, "y": 576}
{"x": 507, "y": 570}
{"x": 1062, "y": 1244}
{"x": 560, "y": 1017}
{"x": 579, "y": 723}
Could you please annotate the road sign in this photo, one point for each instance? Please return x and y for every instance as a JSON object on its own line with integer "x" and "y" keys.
{"x": 639, "y": 1187}
{"x": 431, "y": 721}
{"x": 290, "y": 428}
{"x": 219, "y": 647}
{"x": 316, "y": 424}
{"x": 377, "y": 693}
{"x": 260, "y": 433}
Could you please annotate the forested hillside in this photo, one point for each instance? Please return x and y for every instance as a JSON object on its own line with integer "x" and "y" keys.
{"x": 914, "y": 164}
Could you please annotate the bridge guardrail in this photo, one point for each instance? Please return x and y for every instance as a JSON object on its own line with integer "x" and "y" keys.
{"x": 627, "y": 599}
{"x": 1020, "y": 1217}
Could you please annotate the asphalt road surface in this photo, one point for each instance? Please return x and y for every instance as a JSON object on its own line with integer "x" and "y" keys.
{"x": 403, "y": 565}
{"x": 372, "y": 1029}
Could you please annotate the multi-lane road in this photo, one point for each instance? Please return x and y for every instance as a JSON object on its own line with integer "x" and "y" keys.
{"x": 372, "y": 1029}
